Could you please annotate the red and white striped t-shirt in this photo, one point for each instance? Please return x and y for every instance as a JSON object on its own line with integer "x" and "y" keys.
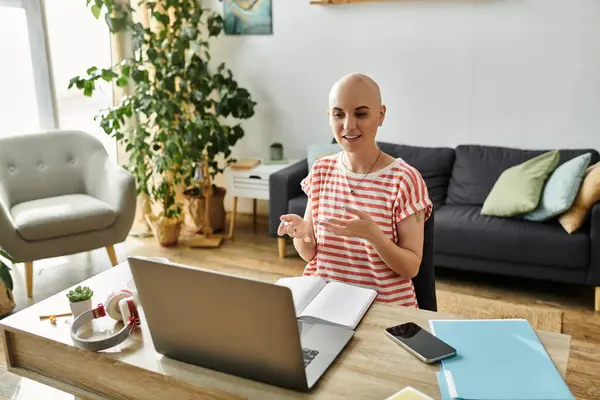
{"x": 388, "y": 196}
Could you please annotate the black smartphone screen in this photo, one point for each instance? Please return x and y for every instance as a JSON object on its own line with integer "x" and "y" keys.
{"x": 420, "y": 341}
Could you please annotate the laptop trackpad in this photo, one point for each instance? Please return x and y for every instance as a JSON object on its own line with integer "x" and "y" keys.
{"x": 304, "y": 327}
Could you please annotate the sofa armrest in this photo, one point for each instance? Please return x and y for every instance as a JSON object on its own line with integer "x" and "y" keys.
{"x": 283, "y": 186}
{"x": 594, "y": 271}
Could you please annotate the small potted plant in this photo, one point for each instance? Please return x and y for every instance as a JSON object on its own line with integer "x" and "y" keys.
{"x": 80, "y": 300}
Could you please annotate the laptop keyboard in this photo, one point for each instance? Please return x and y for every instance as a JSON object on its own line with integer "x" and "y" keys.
{"x": 309, "y": 355}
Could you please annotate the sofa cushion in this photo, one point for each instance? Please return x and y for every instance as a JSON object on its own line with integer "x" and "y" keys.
{"x": 560, "y": 190}
{"x": 315, "y": 151}
{"x": 461, "y": 230}
{"x": 434, "y": 164}
{"x": 587, "y": 196}
{"x": 477, "y": 169}
{"x": 61, "y": 216}
{"x": 518, "y": 189}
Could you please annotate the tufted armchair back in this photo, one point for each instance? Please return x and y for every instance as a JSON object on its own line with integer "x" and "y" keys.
{"x": 46, "y": 164}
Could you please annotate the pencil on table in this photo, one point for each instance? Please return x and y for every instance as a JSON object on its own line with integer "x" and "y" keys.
{"x": 55, "y": 315}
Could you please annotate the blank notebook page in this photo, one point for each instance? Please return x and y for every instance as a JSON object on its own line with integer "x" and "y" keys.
{"x": 340, "y": 304}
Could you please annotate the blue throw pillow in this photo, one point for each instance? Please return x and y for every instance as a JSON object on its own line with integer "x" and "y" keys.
{"x": 318, "y": 150}
{"x": 560, "y": 190}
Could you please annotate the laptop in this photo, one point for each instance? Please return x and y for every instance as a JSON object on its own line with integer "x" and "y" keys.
{"x": 234, "y": 325}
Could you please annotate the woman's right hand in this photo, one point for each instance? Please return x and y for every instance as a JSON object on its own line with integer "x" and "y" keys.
{"x": 295, "y": 226}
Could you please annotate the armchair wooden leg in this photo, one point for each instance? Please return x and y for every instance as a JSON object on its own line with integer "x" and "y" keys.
{"x": 597, "y": 299}
{"x": 281, "y": 243}
{"x": 111, "y": 254}
{"x": 29, "y": 277}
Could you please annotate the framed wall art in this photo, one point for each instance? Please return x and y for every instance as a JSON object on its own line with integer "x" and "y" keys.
{"x": 248, "y": 17}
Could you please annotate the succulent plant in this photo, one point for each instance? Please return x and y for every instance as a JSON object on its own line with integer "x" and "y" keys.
{"x": 80, "y": 294}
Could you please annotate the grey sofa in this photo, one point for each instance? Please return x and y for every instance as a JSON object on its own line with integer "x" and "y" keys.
{"x": 60, "y": 194}
{"x": 459, "y": 179}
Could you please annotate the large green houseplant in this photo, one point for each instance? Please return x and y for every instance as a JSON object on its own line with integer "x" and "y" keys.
{"x": 176, "y": 114}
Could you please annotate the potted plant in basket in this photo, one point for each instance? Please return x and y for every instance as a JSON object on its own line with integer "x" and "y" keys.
{"x": 80, "y": 300}
{"x": 172, "y": 120}
{"x": 7, "y": 301}
{"x": 211, "y": 143}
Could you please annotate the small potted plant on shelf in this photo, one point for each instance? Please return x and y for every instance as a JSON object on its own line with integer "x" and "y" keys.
{"x": 80, "y": 300}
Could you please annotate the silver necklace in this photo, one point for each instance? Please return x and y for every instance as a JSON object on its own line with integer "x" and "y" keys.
{"x": 363, "y": 178}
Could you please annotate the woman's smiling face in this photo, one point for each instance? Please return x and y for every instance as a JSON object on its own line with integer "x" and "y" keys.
{"x": 355, "y": 111}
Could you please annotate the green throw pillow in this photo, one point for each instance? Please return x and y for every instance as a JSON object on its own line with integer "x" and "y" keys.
{"x": 518, "y": 189}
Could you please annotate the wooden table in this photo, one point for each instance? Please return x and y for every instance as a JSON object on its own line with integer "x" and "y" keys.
{"x": 371, "y": 366}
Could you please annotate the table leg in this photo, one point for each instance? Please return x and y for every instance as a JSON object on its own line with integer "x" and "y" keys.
{"x": 233, "y": 212}
{"x": 254, "y": 215}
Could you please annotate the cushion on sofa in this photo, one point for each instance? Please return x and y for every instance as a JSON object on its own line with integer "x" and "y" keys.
{"x": 315, "y": 151}
{"x": 518, "y": 189}
{"x": 477, "y": 168}
{"x": 587, "y": 196}
{"x": 434, "y": 164}
{"x": 560, "y": 189}
{"x": 61, "y": 216}
{"x": 461, "y": 230}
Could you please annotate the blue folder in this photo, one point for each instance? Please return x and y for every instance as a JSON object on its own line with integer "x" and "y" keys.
{"x": 497, "y": 360}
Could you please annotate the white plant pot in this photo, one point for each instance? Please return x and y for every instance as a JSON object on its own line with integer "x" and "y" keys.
{"x": 80, "y": 307}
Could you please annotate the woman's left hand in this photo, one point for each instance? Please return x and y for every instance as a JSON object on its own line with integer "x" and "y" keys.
{"x": 360, "y": 226}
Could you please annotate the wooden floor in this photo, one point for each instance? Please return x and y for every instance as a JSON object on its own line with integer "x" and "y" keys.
{"x": 255, "y": 254}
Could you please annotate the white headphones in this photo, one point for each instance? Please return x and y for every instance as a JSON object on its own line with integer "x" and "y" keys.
{"x": 120, "y": 306}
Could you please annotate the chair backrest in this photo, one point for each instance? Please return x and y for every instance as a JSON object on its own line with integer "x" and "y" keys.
{"x": 424, "y": 282}
{"x": 45, "y": 164}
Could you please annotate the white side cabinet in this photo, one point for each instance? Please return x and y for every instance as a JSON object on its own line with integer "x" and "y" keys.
{"x": 252, "y": 184}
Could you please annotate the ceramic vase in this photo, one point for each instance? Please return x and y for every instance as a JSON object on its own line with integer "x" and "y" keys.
{"x": 80, "y": 307}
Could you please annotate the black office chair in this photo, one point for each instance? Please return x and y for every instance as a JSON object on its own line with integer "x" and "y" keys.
{"x": 424, "y": 282}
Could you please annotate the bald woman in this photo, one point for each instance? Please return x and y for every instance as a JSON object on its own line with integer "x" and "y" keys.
{"x": 364, "y": 221}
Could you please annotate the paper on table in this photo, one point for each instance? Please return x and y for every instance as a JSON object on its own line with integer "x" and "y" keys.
{"x": 444, "y": 392}
{"x": 409, "y": 393}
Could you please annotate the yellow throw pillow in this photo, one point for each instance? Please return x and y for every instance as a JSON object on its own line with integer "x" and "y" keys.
{"x": 588, "y": 195}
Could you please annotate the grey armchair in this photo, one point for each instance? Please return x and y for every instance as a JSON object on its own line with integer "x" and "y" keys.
{"x": 61, "y": 194}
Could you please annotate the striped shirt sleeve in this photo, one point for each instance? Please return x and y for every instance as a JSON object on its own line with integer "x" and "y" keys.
{"x": 306, "y": 185}
{"x": 310, "y": 182}
{"x": 412, "y": 194}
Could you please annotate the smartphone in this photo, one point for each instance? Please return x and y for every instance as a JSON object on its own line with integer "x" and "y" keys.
{"x": 418, "y": 341}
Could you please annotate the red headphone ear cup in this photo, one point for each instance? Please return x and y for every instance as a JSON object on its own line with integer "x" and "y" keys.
{"x": 112, "y": 304}
{"x": 128, "y": 309}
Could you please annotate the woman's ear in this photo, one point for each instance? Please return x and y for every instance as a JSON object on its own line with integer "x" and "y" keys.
{"x": 382, "y": 114}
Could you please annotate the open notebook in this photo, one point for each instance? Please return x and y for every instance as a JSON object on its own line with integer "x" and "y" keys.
{"x": 331, "y": 303}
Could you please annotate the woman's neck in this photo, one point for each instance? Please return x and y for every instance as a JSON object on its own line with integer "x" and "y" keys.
{"x": 363, "y": 161}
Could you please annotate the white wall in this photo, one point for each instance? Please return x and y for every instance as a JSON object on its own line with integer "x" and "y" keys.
{"x": 513, "y": 72}
{"x": 523, "y": 73}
